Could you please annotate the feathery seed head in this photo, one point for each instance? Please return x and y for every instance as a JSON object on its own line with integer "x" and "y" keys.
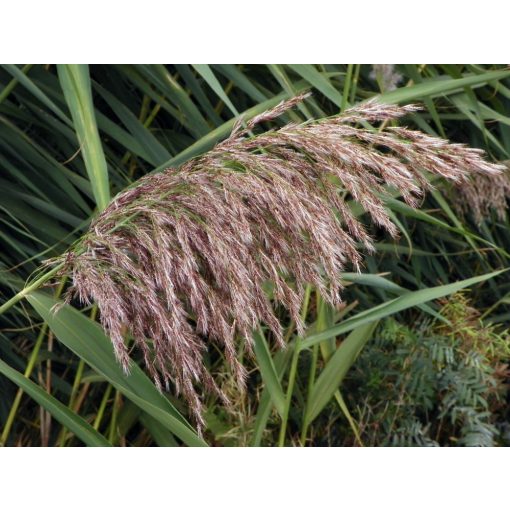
{"x": 482, "y": 193}
{"x": 181, "y": 259}
{"x": 386, "y": 75}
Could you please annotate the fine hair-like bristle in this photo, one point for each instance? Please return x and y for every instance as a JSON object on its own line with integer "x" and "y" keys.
{"x": 180, "y": 260}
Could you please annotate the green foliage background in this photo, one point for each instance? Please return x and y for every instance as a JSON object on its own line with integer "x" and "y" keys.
{"x": 72, "y": 136}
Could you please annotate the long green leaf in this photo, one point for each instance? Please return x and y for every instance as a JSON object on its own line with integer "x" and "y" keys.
{"x": 437, "y": 87}
{"x": 403, "y": 302}
{"x": 153, "y": 151}
{"x": 268, "y": 371}
{"x": 75, "y": 81}
{"x": 205, "y": 71}
{"x": 59, "y": 411}
{"x": 36, "y": 91}
{"x": 319, "y": 81}
{"x": 86, "y": 339}
{"x": 336, "y": 369}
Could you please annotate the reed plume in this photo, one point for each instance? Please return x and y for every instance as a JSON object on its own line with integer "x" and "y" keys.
{"x": 182, "y": 259}
{"x": 482, "y": 194}
{"x": 386, "y": 75}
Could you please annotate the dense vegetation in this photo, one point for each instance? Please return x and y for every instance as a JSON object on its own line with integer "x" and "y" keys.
{"x": 408, "y": 358}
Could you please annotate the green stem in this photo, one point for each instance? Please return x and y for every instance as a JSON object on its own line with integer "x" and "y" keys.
{"x": 293, "y": 372}
{"x": 311, "y": 381}
{"x": 313, "y": 366}
{"x": 355, "y": 82}
{"x": 76, "y": 384}
{"x": 347, "y": 86}
{"x": 102, "y": 407}
{"x": 12, "y": 84}
{"x": 30, "y": 288}
{"x": 112, "y": 435}
{"x": 77, "y": 380}
{"x": 28, "y": 372}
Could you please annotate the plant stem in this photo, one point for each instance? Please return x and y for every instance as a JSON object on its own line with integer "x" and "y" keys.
{"x": 30, "y": 288}
{"x": 320, "y": 325}
{"x": 354, "y": 83}
{"x": 77, "y": 380}
{"x": 12, "y": 84}
{"x": 102, "y": 407}
{"x": 28, "y": 372}
{"x": 293, "y": 371}
{"x": 311, "y": 380}
{"x": 347, "y": 86}
{"x": 17, "y": 399}
{"x": 76, "y": 384}
{"x": 112, "y": 434}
